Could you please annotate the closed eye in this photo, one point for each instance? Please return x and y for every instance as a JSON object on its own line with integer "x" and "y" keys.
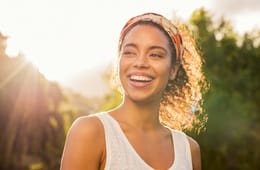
{"x": 155, "y": 55}
{"x": 129, "y": 50}
{"x": 129, "y": 53}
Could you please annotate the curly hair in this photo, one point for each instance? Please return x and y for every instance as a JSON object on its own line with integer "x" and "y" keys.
{"x": 181, "y": 104}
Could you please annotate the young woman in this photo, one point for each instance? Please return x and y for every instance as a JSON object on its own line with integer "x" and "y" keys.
{"x": 161, "y": 81}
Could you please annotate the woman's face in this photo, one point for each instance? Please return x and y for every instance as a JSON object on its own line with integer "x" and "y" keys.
{"x": 145, "y": 64}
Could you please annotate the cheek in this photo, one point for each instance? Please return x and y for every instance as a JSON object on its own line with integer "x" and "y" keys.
{"x": 122, "y": 66}
{"x": 165, "y": 71}
{"x": 166, "y": 76}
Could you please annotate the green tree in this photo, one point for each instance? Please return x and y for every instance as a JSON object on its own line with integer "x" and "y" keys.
{"x": 232, "y": 104}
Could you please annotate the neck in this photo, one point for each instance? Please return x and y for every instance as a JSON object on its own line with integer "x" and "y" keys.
{"x": 140, "y": 115}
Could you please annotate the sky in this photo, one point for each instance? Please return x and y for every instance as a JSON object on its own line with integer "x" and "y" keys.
{"x": 64, "y": 38}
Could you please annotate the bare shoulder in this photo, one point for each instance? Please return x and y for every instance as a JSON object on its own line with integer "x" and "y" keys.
{"x": 86, "y": 127}
{"x": 195, "y": 153}
{"x": 84, "y": 144}
{"x": 194, "y": 146}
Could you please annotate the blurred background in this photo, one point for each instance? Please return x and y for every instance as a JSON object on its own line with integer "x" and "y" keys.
{"x": 56, "y": 58}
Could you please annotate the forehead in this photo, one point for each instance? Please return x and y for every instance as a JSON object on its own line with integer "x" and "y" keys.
{"x": 146, "y": 33}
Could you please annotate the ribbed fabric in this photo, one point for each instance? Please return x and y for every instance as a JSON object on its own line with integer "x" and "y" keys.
{"x": 120, "y": 154}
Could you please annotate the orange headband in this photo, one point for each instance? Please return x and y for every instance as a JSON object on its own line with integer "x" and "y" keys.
{"x": 166, "y": 24}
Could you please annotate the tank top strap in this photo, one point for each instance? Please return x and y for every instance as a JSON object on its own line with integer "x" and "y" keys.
{"x": 182, "y": 150}
{"x": 112, "y": 139}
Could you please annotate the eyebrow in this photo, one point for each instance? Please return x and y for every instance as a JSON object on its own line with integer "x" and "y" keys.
{"x": 158, "y": 47}
{"x": 150, "y": 48}
{"x": 129, "y": 45}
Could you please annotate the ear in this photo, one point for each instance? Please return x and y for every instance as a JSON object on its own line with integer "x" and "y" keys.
{"x": 174, "y": 71}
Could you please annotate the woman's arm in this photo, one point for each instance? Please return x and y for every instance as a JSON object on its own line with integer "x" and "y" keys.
{"x": 195, "y": 154}
{"x": 84, "y": 146}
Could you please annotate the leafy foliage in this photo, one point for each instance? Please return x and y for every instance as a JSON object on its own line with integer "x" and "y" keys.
{"x": 232, "y": 104}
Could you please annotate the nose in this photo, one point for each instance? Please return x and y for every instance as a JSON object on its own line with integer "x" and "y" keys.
{"x": 141, "y": 61}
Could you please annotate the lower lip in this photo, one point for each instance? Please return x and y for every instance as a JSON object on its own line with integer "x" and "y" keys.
{"x": 136, "y": 84}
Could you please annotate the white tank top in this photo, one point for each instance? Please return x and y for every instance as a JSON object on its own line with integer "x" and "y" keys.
{"x": 120, "y": 154}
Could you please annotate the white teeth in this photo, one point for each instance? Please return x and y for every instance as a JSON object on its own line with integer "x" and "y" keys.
{"x": 140, "y": 78}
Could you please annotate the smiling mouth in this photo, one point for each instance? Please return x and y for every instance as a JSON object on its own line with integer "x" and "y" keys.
{"x": 137, "y": 78}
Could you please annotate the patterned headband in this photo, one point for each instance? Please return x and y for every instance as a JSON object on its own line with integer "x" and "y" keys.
{"x": 166, "y": 24}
